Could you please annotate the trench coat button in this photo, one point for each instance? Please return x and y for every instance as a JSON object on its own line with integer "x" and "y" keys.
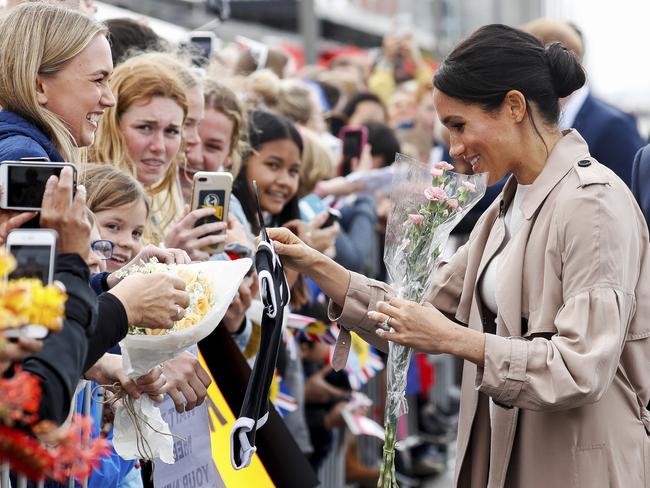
{"x": 584, "y": 163}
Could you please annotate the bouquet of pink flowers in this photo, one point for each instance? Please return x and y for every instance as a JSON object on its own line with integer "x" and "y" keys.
{"x": 428, "y": 202}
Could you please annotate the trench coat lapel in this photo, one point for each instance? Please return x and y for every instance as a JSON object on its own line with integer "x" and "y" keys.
{"x": 510, "y": 285}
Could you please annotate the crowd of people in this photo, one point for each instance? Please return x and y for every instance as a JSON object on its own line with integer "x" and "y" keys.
{"x": 550, "y": 289}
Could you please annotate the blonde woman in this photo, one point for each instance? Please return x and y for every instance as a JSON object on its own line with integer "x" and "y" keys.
{"x": 53, "y": 90}
{"x": 195, "y": 109}
{"x": 143, "y": 135}
{"x": 57, "y": 88}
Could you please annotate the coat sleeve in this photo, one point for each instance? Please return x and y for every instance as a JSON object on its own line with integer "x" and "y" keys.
{"x": 112, "y": 327}
{"x": 599, "y": 243}
{"x": 60, "y": 363}
{"x": 364, "y": 293}
{"x": 362, "y": 296}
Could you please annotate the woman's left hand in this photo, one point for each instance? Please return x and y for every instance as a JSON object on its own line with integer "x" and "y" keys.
{"x": 422, "y": 327}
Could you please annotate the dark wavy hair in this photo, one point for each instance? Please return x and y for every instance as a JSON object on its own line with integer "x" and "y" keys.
{"x": 497, "y": 58}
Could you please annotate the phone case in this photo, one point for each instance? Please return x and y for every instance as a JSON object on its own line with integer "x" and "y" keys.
{"x": 362, "y": 142}
{"x": 213, "y": 192}
{"x": 28, "y": 246}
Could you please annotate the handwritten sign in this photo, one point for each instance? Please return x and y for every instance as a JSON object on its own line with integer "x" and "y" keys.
{"x": 194, "y": 467}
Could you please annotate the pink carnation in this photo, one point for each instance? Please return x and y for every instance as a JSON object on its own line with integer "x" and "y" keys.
{"x": 469, "y": 186}
{"x": 452, "y": 203}
{"x": 443, "y": 165}
{"x": 435, "y": 194}
{"x": 435, "y": 172}
{"x": 416, "y": 219}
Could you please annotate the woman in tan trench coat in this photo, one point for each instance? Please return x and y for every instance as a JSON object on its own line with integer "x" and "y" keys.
{"x": 549, "y": 300}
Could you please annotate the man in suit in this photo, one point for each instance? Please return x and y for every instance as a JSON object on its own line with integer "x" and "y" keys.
{"x": 611, "y": 134}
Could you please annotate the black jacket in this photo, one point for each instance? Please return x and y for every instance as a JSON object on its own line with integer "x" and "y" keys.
{"x": 61, "y": 362}
{"x": 112, "y": 327}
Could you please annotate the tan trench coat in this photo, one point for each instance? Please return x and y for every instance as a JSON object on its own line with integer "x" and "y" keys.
{"x": 568, "y": 365}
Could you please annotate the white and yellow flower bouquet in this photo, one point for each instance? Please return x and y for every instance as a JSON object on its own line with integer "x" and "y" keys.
{"x": 140, "y": 432}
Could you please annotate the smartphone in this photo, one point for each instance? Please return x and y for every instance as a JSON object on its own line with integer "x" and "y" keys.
{"x": 203, "y": 44}
{"x": 35, "y": 253}
{"x": 212, "y": 189}
{"x": 354, "y": 139}
{"x": 310, "y": 206}
{"x": 23, "y": 183}
{"x": 334, "y": 216}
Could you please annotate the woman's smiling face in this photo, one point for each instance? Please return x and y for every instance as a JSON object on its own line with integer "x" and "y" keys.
{"x": 79, "y": 93}
{"x": 275, "y": 165}
{"x": 482, "y": 139}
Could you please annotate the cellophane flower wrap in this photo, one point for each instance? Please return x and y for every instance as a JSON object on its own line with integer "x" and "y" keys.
{"x": 139, "y": 429}
{"x": 427, "y": 203}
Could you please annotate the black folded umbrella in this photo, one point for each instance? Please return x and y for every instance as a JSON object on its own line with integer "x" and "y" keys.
{"x": 275, "y": 295}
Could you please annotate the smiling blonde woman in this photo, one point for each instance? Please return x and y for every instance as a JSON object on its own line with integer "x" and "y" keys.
{"x": 57, "y": 88}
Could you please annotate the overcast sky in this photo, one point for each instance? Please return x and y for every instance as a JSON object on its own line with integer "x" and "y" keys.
{"x": 618, "y": 46}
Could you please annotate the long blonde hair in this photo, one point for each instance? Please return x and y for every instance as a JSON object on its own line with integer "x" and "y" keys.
{"x": 39, "y": 38}
{"x": 138, "y": 80}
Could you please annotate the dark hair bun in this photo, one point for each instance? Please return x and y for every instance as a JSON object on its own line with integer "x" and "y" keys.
{"x": 566, "y": 72}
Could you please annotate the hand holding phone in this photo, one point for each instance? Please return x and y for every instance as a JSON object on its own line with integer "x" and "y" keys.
{"x": 23, "y": 183}
{"x": 333, "y": 216}
{"x": 192, "y": 238}
{"x": 212, "y": 190}
{"x": 65, "y": 215}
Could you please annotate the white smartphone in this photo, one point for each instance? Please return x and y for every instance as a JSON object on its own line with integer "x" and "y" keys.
{"x": 212, "y": 189}
{"x": 35, "y": 253}
{"x": 23, "y": 183}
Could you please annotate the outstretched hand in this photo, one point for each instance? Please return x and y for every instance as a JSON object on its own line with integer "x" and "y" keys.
{"x": 295, "y": 254}
{"x": 11, "y": 352}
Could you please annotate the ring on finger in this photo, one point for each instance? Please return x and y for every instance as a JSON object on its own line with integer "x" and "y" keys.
{"x": 385, "y": 325}
{"x": 179, "y": 313}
